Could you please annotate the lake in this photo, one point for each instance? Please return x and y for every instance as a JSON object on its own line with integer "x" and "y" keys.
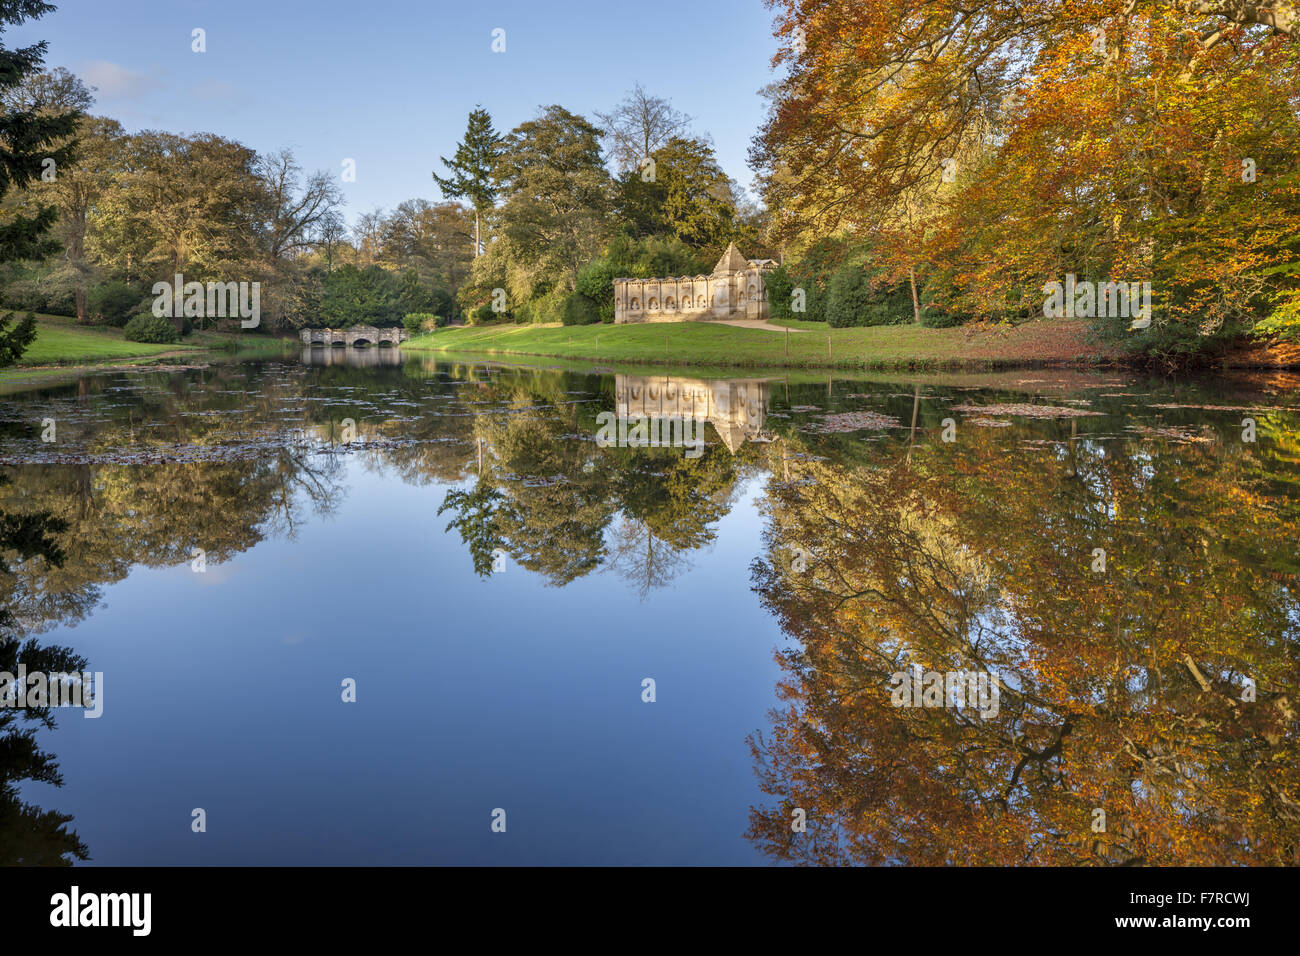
{"x": 360, "y": 607}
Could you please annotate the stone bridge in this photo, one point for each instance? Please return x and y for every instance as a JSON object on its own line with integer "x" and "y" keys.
{"x": 357, "y": 335}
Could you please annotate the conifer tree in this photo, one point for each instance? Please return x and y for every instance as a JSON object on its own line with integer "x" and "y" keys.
{"x": 471, "y": 168}
{"x": 32, "y": 142}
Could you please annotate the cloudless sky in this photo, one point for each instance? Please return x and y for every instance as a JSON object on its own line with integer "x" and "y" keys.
{"x": 388, "y": 83}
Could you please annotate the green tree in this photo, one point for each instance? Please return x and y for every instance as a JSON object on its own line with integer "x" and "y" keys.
{"x": 185, "y": 204}
{"x": 684, "y": 193}
{"x": 76, "y": 192}
{"x": 71, "y": 188}
{"x": 471, "y": 168}
{"x": 557, "y": 195}
{"x": 30, "y": 138}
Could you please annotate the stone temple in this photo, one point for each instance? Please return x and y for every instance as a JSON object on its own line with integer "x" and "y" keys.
{"x": 735, "y": 290}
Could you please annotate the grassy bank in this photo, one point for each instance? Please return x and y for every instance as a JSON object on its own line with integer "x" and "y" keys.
{"x": 808, "y": 345}
{"x": 61, "y": 343}
{"x": 62, "y": 349}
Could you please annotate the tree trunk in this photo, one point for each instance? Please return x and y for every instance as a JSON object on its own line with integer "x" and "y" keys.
{"x": 916, "y": 303}
{"x": 178, "y": 303}
{"x": 79, "y": 296}
{"x": 477, "y": 242}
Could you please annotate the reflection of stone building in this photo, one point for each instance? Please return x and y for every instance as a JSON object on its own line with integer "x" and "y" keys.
{"x": 357, "y": 335}
{"x": 736, "y": 408}
{"x": 353, "y": 358}
{"x": 735, "y": 290}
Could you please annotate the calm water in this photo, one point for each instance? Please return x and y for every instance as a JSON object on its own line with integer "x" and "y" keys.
{"x": 229, "y": 545}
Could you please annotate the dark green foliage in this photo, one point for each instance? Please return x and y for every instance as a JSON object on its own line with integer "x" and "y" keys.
{"x": 810, "y": 273}
{"x": 938, "y": 318}
{"x": 112, "y": 303}
{"x": 780, "y": 294}
{"x": 30, "y": 836}
{"x": 596, "y": 283}
{"x": 13, "y": 342}
{"x": 687, "y": 197}
{"x": 937, "y": 295}
{"x": 440, "y": 302}
{"x": 147, "y": 327}
{"x": 27, "y": 139}
{"x": 471, "y": 167}
{"x": 854, "y": 297}
{"x": 375, "y": 296}
{"x": 580, "y": 310}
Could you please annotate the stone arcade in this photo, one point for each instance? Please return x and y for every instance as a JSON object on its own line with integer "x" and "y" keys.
{"x": 735, "y": 290}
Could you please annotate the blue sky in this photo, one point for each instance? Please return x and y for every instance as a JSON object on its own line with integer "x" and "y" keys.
{"x": 389, "y": 82}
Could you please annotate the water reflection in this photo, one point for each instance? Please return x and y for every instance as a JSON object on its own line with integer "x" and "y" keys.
{"x": 1150, "y": 693}
{"x": 736, "y": 408}
{"x": 30, "y": 835}
{"x": 1138, "y": 601}
{"x": 352, "y": 357}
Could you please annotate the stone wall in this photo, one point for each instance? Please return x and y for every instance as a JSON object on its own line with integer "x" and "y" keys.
{"x": 741, "y": 296}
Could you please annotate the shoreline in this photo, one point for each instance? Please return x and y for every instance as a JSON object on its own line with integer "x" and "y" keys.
{"x": 1049, "y": 344}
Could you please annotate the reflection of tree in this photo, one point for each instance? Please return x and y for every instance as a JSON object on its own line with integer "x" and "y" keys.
{"x": 669, "y": 504}
{"x": 1123, "y": 688}
{"x": 548, "y": 498}
{"x": 476, "y": 521}
{"x": 556, "y": 504}
{"x": 642, "y": 558}
{"x": 117, "y": 516}
{"x": 29, "y": 835}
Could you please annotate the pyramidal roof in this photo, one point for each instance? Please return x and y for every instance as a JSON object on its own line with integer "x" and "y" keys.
{"x": 731, "y": 261}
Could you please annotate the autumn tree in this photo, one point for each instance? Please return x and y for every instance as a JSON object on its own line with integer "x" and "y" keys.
{"x": 999, "y": 146}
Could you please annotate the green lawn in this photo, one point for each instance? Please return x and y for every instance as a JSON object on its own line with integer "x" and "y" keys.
{"x": 59, "y": 342}
{"x": 704, "y": 343}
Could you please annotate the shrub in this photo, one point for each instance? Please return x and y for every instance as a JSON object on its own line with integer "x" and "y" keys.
{"x": 941, "y": 302}
{"x": 546, "y": 308}
{"x": 596, "y": 283}
{"x": 147, "y": 327}
{"x": 39, "y": 288}
{"x": 417, "y": 322}
{"x": 780, "y": 288}
{"x": 112, "y": 303}
{"x": 854, "y": 299}
{"x": 938, "y": 318}
{"x": 580, "y": 310}
{"x": 23, "y": 295}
